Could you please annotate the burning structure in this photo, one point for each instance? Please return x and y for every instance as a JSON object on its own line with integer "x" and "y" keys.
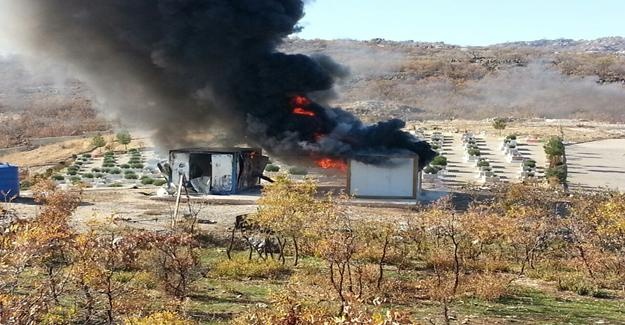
{"x": 217, "y": 171}
{"x": 397, "y": 177}
{"x": 185, "y": 67}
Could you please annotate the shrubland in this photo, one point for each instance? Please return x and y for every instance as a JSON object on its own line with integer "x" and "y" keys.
{"x": 306, "y": 257}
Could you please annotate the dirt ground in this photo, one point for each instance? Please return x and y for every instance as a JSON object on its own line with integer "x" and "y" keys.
{"x": 41, "y": 158}
{"x": 574, "y": 130}
{"x": 592, "y": 164}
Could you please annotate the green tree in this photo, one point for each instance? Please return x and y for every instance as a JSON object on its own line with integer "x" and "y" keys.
{"x": 98, "y": 141}
{"x": 500, "y": 124}
{"x": 124, "y": 137}
{"x": 556, "y": 154}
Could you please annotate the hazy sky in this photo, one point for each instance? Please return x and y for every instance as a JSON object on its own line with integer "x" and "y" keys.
{"x": 473, "y": 22}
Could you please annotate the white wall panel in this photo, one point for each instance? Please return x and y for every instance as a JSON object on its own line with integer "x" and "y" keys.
{"x": 393, "y": 180}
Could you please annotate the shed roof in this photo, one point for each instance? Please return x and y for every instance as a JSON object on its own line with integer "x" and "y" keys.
{"x": 216, "y": 150}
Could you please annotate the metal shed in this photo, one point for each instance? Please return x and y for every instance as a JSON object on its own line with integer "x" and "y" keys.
{"x": 218, "y": 171}
{"x": 391, "y": 177}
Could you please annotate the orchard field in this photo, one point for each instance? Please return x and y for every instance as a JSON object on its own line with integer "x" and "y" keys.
{"x": 519, "y": 253}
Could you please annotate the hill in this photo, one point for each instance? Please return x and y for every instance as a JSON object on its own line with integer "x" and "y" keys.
{"x": 413, "y": 80}
{"x": 409, "y": 80}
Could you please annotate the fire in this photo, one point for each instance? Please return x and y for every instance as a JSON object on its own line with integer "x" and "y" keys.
{"x": 302, "y": 111}
{"x": 329, "y": 163}
{"x": 300, "y": 101}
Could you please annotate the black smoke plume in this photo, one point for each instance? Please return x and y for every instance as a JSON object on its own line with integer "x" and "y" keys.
{"x": 188, "y": 66}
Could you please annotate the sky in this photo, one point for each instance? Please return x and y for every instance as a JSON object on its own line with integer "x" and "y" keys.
{"x": 461, "y": 22}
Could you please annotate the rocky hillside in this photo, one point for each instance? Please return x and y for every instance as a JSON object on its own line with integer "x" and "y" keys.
{"x": 409, "y": 80}
{"x": 38, "y": 102}
{"x": 412, "y": 80}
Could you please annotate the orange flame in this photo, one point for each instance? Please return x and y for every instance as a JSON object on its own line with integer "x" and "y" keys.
{"x": 304, "y": 112}
{"x": 300, "y": 101}
{"x": 329, "y": 163}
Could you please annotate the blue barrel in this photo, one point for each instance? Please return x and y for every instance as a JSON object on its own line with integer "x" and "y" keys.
{"x": 9, "y": 182}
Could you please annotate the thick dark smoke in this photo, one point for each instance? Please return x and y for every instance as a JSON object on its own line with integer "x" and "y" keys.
{"x": 188, "y": 66}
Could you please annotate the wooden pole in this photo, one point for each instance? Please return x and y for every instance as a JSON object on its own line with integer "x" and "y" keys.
{"x": 174, "y": 220}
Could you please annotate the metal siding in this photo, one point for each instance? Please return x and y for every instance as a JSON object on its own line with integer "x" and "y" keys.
{"x": 9, "y": 182}
{"x": 394, "y": 180}
{"x": 179, "y": 164}
{"x": 224, "y": 175}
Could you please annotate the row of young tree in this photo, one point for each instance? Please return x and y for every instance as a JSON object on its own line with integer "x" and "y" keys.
{"x": 344, "y": 267}
{"x": 437, "y": 252}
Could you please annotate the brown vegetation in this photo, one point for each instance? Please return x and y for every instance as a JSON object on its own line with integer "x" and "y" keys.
{"x": 349, "y": 270}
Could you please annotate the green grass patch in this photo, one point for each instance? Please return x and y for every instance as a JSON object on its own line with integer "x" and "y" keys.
{"x": 532, "y": 306}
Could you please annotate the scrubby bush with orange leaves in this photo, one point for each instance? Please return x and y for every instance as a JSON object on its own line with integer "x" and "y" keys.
{"x": 50, "y": 273}
{"x": 351, "y": 269}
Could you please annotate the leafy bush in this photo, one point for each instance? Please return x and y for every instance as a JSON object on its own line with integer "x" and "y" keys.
{"x": 511, "y": 137}
{"x": 601, "y": 294}
{"x": 474, "y": 152}
{"x": 87, "y": 155}
{"x": 78, "y": 163}
{"x": 529, "y": 163}
{"x": 133, "y": 150}
{"x": 576, "y": 283}
{"x": 58, "y": 177}
{"x": 298, "y": 171}
{"x": 87, "y": 175}
{"x": 431, "y": 170}
{"x": 272, "y": 168}
{"x": 124, "y": 166}
{"x": 116, "y": 185}
{"x": 25, "y": 185}
{"x": 131, "y": 176}
{"x": 134, "y": 160}
{"x": 75, "y": 179}
{"x": 554, "y": 147}
{"x": 137, "y": 166}
{"x": 72, "y": 172}
{"x": 500, "y": 123}
{"x": 116, "y": 171}
{"x": 98, "y": 141}
{"x": 159, "y": 182}
{"x": 147, "y": 180}
{"x": 96, "y": 170}
{"x": 109, "y": 154}
{"x": 99, "y": 175}
{"x": 558, "y": 173}
{"x": 483, "y": 163}
{"x": 108, "y": 165}
{"x": 106, "y": 170}
{"x": 241, "y": 267}
{"x": 439, "y": 161}
{"x": 124, "y": 137}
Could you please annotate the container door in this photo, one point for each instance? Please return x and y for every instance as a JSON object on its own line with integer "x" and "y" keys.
{"x": 222, "y": 178}
{"x": 179, "y": 166}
